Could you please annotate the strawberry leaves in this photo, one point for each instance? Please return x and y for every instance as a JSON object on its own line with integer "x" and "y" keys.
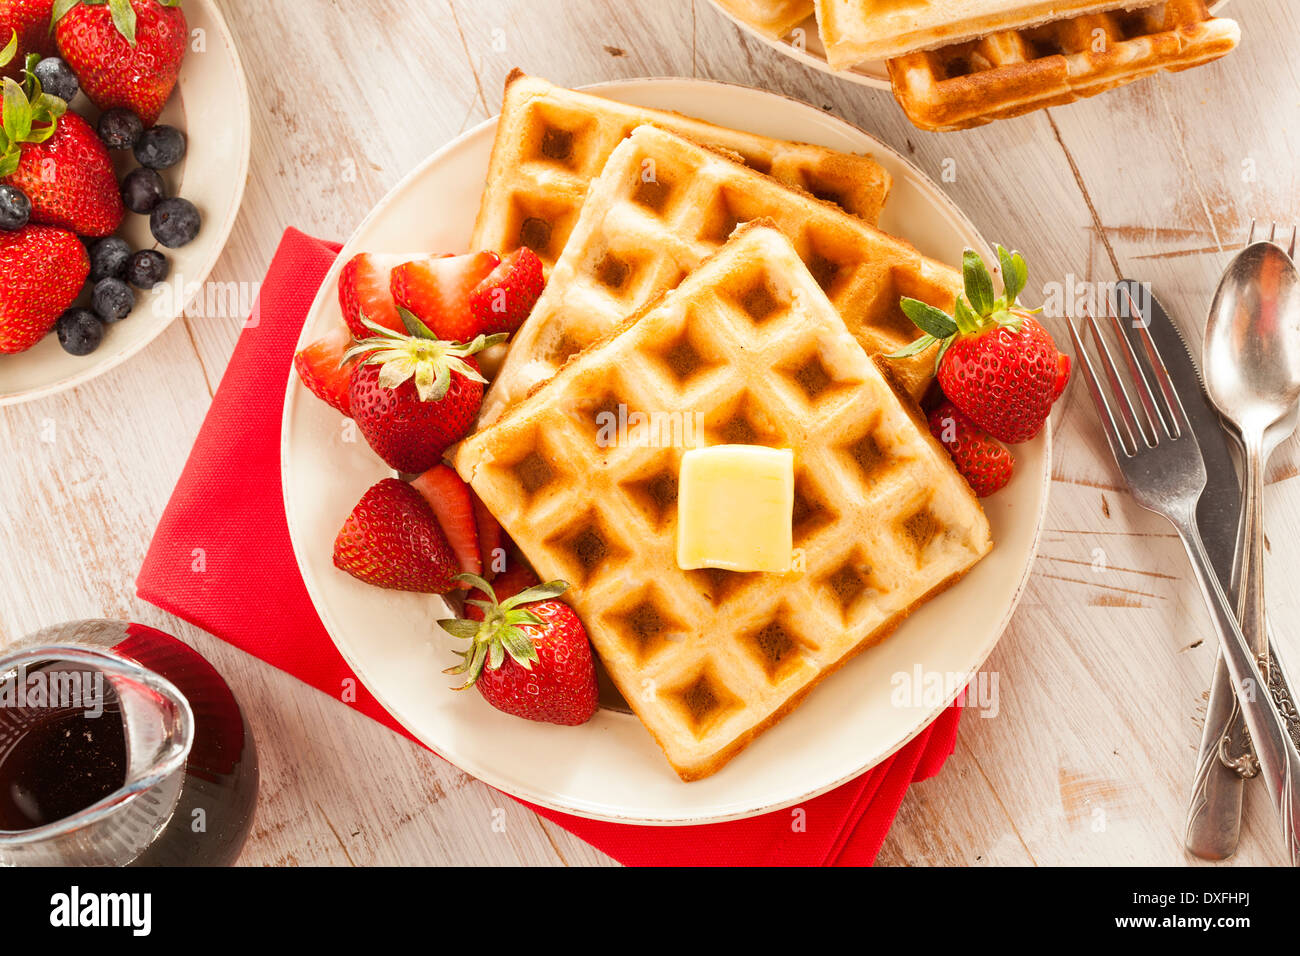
{"x": 973, "y": 312}
{"x": 29, "y": 116}
{"x": 501, "y": 630}
{"x": 420, "y": 356}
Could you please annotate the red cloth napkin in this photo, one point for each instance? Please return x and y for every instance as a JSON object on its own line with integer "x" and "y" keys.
{"x": 200, "y": 568}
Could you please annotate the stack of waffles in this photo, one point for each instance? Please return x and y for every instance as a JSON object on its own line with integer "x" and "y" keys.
{"x": 735, "y": 287}
{"x": 956, "y": 64}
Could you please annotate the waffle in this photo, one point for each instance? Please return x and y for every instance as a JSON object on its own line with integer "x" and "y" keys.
{"x": 552, "y": 142}
{"x": 661, "y": 206}
{"x": 856, "y": 30}
{"x": 708, "y": 659}
{"x": 774, "y": 18}
{"x": 1014, "y": 72}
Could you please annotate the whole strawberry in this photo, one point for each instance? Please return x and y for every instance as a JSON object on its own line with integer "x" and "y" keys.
{"x": 392, "y": 540}
{"x": 995, "y": 362}
{"x": 413, "y": 395}
{"x": 529, "y": 656}
{"x": 126, "y": 53}
{"x": 27, "y": 23}
{"x": 979, "y": 457}
{"x": 53, "y": 156}
{"x": 41, "y": 272}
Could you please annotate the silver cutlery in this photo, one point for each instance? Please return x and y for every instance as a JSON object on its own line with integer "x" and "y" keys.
{"x": 1252, "y": 373}
{"x": 1160, "y": 458}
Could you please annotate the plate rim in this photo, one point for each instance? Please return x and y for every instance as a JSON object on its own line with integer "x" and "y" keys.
{"x": 516, "y": 788}
{"x": 244, "y": 111}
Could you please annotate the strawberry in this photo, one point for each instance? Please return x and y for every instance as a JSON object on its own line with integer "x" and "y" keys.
{"x": 437, "y": 289}
{"x": 27, "y": 23}
{"x": 413, "y": 395}
{"x": 54, "y": 157}
{"x": 41, "y": 272}
{"x": 490, "y": 537}
{"x": 453, "y": 505}
{"x": 392, "y": 540}
{"x": 364, "y": 292}
{"x": 518, "y": 576}
{"x": 529, "y": 656}
{"x": 322, "y": 368}
{"x": 995, "y": 362}
{"x": 982, "y": 461}
{"x": 502, "y": 301}
{"x": 125, "y": 52}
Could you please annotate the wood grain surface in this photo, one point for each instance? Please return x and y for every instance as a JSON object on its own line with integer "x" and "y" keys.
{"x": 1103, "y": 672}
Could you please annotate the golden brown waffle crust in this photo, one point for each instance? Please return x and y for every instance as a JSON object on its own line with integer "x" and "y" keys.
{"x": 998, "y": 77}
{"x": 856, "y": 182}
{"x": 870, "y": 267}
{"x": 489, "y": 449}
{"x": 772, "y": 18}
{"x": 849, "y": 42}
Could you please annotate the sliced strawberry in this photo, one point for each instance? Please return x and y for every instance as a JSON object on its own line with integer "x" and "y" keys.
{"x": 364, "y": 290}
{"x": 437, "y": 290}
{"x": 1062, "y": 375}
{"x": 490, "y": 536}
{"x": 518, "y": 576}
{"x": 392, "y": 540}
{"x": 453, "y": 504}
{"x": 321, "y": 367}
{"x": 502, "y": 301}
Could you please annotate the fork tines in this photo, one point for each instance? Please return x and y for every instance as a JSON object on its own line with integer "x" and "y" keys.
{"x": 1272, "y": 236}
{"x": 1157, "y": 414}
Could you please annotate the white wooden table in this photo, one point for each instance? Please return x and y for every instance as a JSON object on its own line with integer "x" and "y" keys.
{"x": 1103, "y": 672}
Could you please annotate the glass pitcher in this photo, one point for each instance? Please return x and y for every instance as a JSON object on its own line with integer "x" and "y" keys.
{"x": 120, "y": 745}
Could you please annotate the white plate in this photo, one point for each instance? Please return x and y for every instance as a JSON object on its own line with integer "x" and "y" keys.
{"x": 804, "y": 43}
{"x": 212, "y": 89}
{"x": 610, "y": 768}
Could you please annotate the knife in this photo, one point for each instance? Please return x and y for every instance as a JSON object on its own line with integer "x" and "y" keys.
{"x": 1214, "y": 811}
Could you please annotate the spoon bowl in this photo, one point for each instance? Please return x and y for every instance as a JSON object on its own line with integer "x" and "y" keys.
{"x": 1251, "y": 354}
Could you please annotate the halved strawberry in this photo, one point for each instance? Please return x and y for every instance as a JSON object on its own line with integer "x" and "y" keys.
{"x": 392, "y": 540}
{"x": 490, "y": 537}
{"x": 504, "y": 299}
{"x": 437, "y": 290}
{"x": 453, "y": 504}
{"x": 364, "y": 290}
{"x": 322, "y": 368}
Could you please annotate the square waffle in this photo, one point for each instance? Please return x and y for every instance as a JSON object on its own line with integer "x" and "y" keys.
{"x": 552, "y": 142}
{"x": 663, "y": 204}
{"x": 856, "y": 30}
{"x": 775, "y": 18}
{"x": 1016, "y": 71}
{"x": 708, "y": 659}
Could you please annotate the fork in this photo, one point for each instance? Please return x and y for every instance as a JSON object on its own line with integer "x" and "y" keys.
{"x": 1160, "y": 459}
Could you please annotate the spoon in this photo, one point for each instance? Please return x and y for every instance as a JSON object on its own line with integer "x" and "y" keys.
{"x": 1251, "y": 362}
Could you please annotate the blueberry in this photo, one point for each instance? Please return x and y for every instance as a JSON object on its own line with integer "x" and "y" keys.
{"x": 142, "y": 189}
{"x": 79, "y": 331}
{"x": 160, "y": 147}
{"x": 174, "y": 222}
{"x": 57, "y": 78}
{"x": 15, "y": 208}
{"x": 119, "y": 128}
{"x": 148, "y": 267}
{"x": 112, "y": 299}
{"x": 108, "y": 258}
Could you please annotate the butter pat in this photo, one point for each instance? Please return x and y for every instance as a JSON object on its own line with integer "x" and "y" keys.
{"x": 735, "y": 508}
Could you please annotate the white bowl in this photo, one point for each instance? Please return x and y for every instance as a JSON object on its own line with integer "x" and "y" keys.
{"x": 213, "y": 91}
{"x": 610, "y": 768}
